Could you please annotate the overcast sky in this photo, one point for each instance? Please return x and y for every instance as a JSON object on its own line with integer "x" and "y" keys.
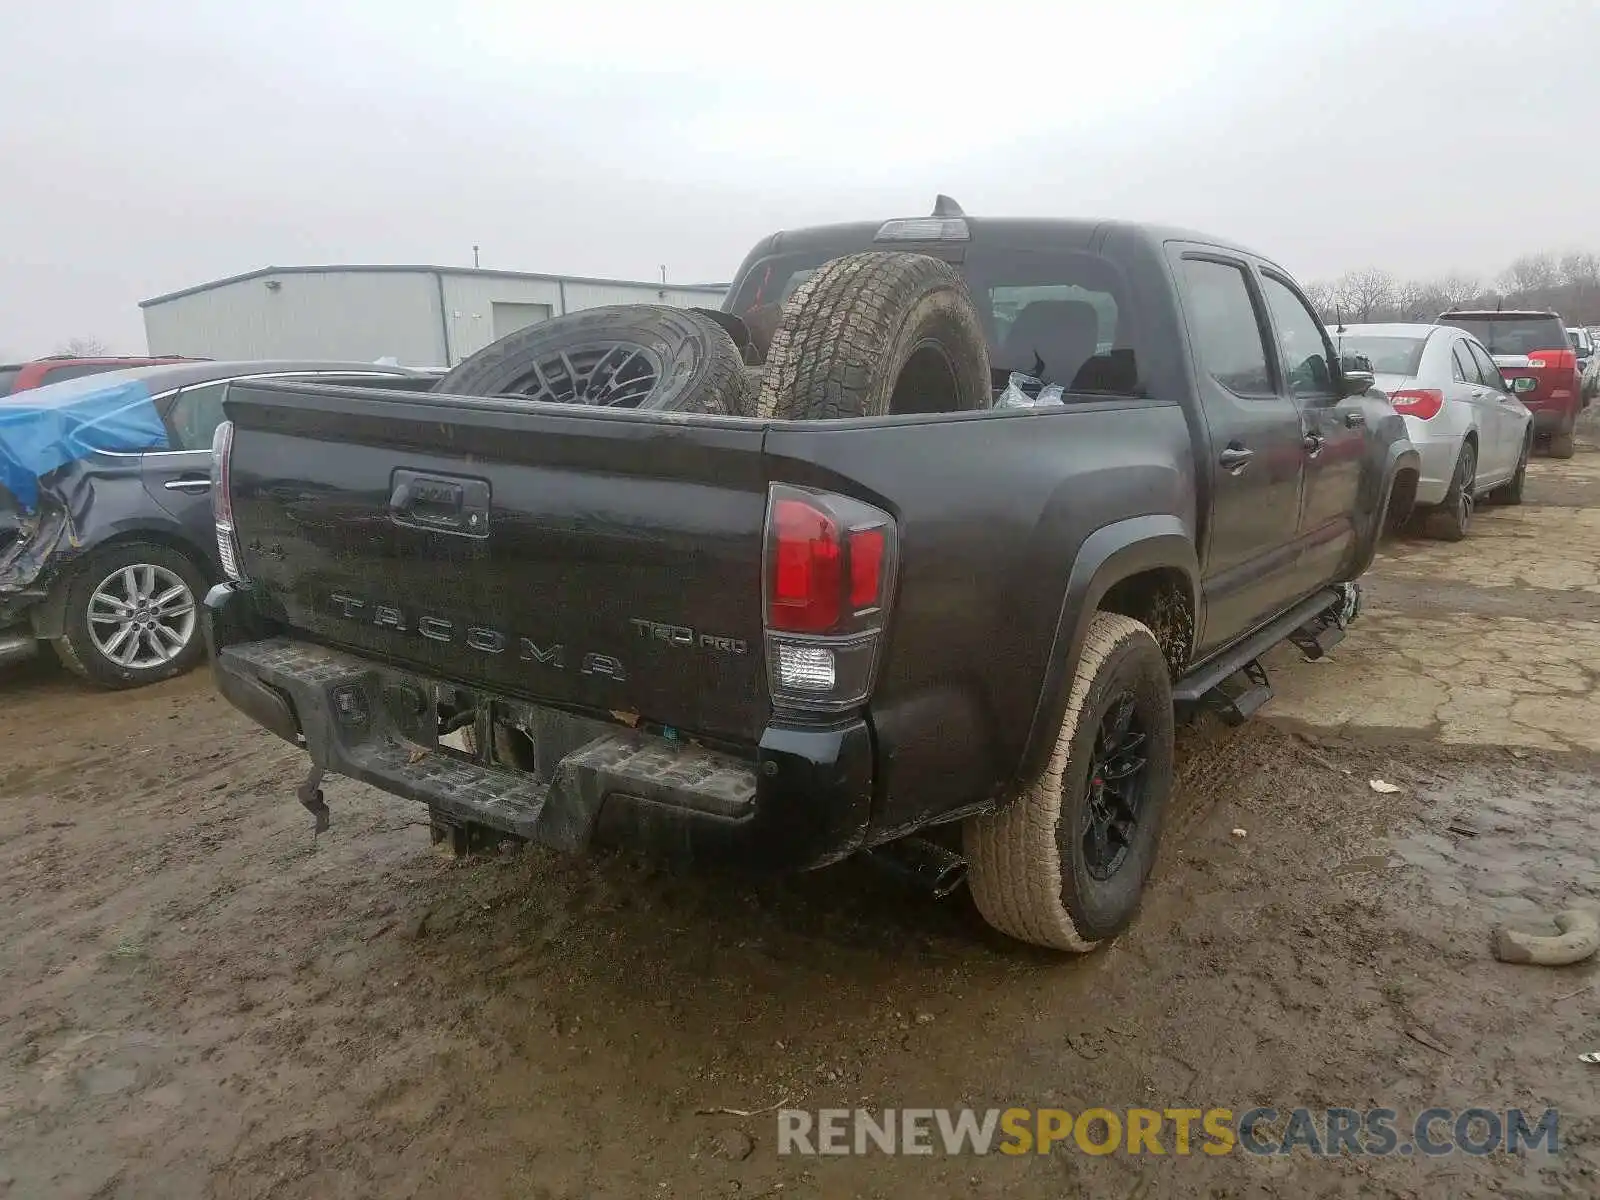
{"x": 152, "y": 145}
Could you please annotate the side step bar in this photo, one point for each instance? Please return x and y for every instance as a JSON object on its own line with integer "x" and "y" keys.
{"x": 1238, "y": 697}
{"x": 1235, "y": 684}
{"x": 1317, "y": 636}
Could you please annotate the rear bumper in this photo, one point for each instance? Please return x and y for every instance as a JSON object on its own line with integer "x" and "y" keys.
{"x": 1438, "y": 452}
{"x": 800, "y": 799}
{"x": 1553, "y": 419}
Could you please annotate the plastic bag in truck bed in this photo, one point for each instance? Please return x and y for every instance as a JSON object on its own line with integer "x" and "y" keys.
{"x": 53, "y": 426}
{"x": 1025, "y": 391}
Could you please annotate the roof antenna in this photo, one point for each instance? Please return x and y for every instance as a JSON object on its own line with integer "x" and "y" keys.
{"x": 943, "y": 206}
{"x": 1338, "y": 317}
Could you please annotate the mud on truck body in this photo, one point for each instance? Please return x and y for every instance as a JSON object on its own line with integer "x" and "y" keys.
{"x": 924, "y": 541}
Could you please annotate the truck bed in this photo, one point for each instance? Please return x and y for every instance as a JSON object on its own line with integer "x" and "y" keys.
{"x": 615, "y": 570}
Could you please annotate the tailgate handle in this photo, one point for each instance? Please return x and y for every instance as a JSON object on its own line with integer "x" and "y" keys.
{"x": 440, "y": 503}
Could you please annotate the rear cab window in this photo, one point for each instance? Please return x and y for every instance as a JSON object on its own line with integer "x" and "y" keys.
{"x": 1063, "y": 316}
{"x": 1512, "y": 333}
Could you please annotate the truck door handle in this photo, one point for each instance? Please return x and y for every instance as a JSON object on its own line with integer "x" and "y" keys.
{"x": 1352, "y": 419}
{"x": 194, "y": 485}
{"x": 1236, "y": 458}
{"x": 1314, "y": 443}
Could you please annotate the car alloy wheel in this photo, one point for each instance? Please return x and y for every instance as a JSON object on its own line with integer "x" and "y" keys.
{"x": 141, "y": 616}
{"x": 1116, "y": 789}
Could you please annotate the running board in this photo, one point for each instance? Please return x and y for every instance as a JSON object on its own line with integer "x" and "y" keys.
{"x": 1191, "y": 691}
{"x": 1241, "y": 695}
{"x": 1315, "y": 639}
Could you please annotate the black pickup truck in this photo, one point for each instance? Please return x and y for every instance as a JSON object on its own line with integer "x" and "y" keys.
{"x": 780, "y": 642}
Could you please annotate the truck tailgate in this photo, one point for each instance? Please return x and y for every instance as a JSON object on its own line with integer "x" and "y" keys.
{"x": 581, "y": 557}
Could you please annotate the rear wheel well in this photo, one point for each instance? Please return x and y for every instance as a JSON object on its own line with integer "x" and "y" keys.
{"x": 1402, "y": 497}
{"x": 1159, "y": 599}
{"x": 156, "y": 537}
{"x": 48, "y": 618}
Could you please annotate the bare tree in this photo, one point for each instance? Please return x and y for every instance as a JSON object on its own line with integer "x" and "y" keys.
{"x": 1458, "y": 288}
{"x": 1324, "y": 298}
{"x": 82, "y": 347}
{"x": 1365, "y": 295}
{"x": 1412, "y": 302}
{"x": 1531, "y": 273}
{"x": 1581, "y": 270}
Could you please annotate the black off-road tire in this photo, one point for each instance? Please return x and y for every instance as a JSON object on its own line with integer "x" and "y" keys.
{"x": 671, "y": 360}
{"x": 76, "y": 648}
{"x": 1027, "y": 866}
{"x": 1450, "y": 520}
{"x": 1510, "y": 492}
{"x": 877, "y": 333}
{"x": 1560, "y": 445}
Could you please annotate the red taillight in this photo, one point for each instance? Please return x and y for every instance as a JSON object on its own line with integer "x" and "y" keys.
{"x": 807, "y": 575}
{"x": 829, "y": 585}
{"x": 822, "y": 573}
{"x": 866, "y": 568}
{"x": 1422, "y": 403}
{"x": 1554, "y": 360}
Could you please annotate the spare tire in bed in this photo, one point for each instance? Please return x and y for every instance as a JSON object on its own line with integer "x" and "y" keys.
{"x": 873, "y": 334}
{"x": 620, "y": 356}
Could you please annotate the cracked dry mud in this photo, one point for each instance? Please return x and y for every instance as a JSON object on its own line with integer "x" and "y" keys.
{"x": 198, "y": 1000}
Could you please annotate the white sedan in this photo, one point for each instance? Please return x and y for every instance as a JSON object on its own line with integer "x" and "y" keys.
{"x": 1473, "y": 433}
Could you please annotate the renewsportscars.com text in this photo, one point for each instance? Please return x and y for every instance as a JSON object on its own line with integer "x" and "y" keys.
{"x": 1172, "y": 1131}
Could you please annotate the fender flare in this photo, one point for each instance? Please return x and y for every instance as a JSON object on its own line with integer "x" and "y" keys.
{"x": 1400, "y": 456}
{"x": 1107, "y": 556}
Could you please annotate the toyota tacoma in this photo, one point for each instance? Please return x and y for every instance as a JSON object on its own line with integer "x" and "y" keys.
{"x": 792, "y": 580}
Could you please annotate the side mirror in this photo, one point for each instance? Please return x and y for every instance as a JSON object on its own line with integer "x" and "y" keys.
{"x": 1358, "y": 383}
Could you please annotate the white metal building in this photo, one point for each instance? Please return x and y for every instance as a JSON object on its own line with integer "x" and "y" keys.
{"x": 422, "y": 316}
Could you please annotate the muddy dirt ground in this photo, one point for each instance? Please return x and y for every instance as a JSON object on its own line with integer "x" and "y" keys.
{"x": 198, "y": 1000}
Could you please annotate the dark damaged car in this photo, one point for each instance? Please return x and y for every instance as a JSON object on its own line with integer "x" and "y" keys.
{"x": 106, "y": 537}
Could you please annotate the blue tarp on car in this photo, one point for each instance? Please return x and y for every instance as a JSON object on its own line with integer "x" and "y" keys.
{"x": 53, "y": 426}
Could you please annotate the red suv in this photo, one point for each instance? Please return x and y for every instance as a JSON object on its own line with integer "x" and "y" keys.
{"x": 20, "y": 377}
{"x": 1536, "y": 357}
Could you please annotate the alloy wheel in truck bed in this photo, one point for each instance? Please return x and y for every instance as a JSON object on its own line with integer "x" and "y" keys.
{"x": 639, "y": 356}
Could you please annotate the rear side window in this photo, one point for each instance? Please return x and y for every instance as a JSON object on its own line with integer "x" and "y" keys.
{"x": 195, "y": 415}
{"x": 8, "y": 381}
{"x": 1225, "y": 326}
{"x": 1487, "y": 371}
